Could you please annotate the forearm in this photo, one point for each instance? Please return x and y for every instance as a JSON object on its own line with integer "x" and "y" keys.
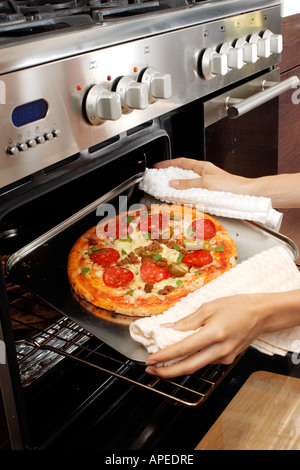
{"x": 278, "y": 311}
{"x": 283, "y": 190}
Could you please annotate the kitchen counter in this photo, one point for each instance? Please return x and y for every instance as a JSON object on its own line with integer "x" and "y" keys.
{"x": 263, "y": 415}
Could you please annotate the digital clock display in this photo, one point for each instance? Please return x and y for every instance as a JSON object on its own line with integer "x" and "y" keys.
{"x": 29, "y": 112}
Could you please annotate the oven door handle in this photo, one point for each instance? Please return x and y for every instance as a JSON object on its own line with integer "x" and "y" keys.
{"x": 237, "y": 107}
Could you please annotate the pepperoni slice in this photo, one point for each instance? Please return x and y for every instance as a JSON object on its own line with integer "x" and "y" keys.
{"x": 105, "y": 257}
{"x": 202, "y": 228}
{"x": 114, "y": 276}
{"x": 115, "y": 228}
{"x": 198, "y": 258}
{"x": 152, "y": 273}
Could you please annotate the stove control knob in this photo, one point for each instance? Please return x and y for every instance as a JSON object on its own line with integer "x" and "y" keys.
{"x": 276, "y": 41}
{"x": 13, "y": 151}
{"x": 249, "y": 50}
{"x": 32, "y": 143}
{"x": 102, "y": 104}
{"x": 134, "y": 95}
{"x": 23, "y": 147}
{"x": 263, "y": 45}
{"x": 159, "y": 84}
{"x": 235, "y": 59}
{"x": 49, "y": 136}
{"x": 214, "y": 63}
{"x": 40, "y": 139}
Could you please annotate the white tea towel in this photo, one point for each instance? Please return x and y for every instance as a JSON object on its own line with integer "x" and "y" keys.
{"x": 272, "y": 270}
{"x": 237, "y": 206}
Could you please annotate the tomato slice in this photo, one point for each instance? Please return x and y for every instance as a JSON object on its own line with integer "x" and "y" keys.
{"x": 198, "y": 258}
{"x": 105, "y": 257}
{"x": 115, "y": 276}
{"x": 202, "y": 228}
{"x": 152, "y": 273}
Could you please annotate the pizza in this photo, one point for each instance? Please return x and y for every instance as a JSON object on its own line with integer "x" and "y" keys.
{"x": 141, "y": 262}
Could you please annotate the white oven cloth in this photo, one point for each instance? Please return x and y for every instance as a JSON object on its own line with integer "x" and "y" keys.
{"x": 258, "y": 209}
{"x": 272, "y": 270}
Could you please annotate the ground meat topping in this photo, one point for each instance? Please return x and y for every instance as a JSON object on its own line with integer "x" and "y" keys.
{"x": 162, "y": 262}
{"x": 133, "y": 258}
{"x": 148, "y": 287}
{"x": 123, "y": 261}
{"x": 154, "y": 246}
{"x": 169, "y": 243}
{"x": 166, "y": 290}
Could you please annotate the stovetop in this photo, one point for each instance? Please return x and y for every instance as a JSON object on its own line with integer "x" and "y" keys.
{"x": 40, "y": 31}
{"x": 22, "y": 18}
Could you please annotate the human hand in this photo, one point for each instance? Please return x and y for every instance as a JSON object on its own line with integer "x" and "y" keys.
{"x": 211, "y": 176}
{"x": 228, "y": 326}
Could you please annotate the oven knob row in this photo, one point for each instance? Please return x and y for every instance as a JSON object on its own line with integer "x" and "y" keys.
{"x": 234, "y": 56}
{"x": 102, "y": 104}
{"x": 31, "y": 143}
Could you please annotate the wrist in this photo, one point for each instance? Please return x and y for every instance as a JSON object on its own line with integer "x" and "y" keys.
{"x": 278, "y": 311}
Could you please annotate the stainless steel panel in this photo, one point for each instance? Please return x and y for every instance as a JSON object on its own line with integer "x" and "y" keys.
{"x": 70, "y": 42}
{"x": 64, "y": 83}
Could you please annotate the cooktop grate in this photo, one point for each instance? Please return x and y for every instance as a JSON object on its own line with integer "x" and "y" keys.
{"x": 20, "y": 18}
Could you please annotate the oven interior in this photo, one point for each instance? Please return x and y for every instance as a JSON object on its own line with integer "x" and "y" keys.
{"x": 71, "y": 389}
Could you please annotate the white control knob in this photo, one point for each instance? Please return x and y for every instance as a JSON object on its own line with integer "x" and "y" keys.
{"x": 214, "y": 63}
{"x": 263, "y": 45}
{"x": 159, "y": 84}
{"x": 134, "y": 95}
{"x": 102, "y": 104}
{"x": 276, "y": 41}
{"x": 235, "y": 58}
{"x": 249, "y": 50}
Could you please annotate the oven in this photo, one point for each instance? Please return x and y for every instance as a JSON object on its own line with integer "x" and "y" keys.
{"x": 91, "y": 94}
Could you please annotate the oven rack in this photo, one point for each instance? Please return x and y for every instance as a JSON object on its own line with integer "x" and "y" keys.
{"x": 43, "y": 347}
{"x": 38, "y": 353}
{"x": 65, "y": 338}
{"x": 57, "y": 343}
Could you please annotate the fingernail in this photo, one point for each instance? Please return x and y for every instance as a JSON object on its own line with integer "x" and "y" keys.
{"x": 151, "y": 362}
{"x": 174, "y": 183}
{"x": 150, "y": 371}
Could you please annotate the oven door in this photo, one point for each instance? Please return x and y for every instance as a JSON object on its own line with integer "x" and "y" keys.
{"x": 241, "y": 126}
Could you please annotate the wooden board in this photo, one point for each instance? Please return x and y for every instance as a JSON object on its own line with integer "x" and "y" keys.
{"x": 264, "y": 415}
